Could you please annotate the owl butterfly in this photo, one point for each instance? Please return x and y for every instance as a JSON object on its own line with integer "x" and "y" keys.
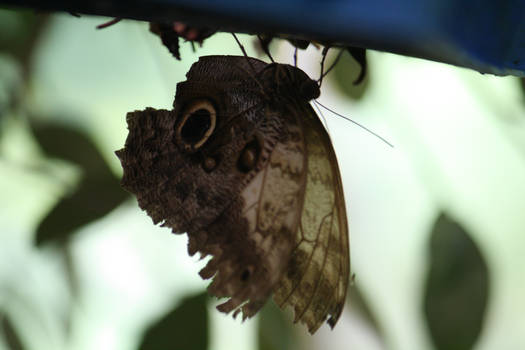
{"x": 243, "y": 165}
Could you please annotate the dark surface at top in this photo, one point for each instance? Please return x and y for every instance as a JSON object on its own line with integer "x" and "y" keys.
{"x": 487, "y": 36}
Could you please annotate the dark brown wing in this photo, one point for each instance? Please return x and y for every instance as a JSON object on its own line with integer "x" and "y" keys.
{"x": 318, "y": 273}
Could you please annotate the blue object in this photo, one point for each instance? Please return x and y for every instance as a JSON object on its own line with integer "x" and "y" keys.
{"x": 485, "y": 35}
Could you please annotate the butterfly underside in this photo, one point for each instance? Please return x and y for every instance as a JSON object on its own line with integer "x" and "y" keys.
{"x": 243, "y": 165}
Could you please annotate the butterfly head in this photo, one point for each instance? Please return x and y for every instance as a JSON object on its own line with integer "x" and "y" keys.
{"x": 288, "y": 80}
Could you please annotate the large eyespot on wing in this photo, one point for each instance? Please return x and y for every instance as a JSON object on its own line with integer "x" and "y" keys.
{"x": 197, "y": 123}
{"x": 317, "y": 278}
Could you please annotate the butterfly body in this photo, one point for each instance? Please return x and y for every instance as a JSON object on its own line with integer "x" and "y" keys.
{"x": 243, "y": 165}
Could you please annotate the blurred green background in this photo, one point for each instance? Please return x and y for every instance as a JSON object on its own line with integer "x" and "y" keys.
{"x": 436, "y": 223}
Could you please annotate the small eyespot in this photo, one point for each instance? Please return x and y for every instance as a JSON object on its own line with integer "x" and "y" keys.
{"x": 249, "y": 156}
{"x": 196, "y": 124}
{"x": 248, "y": 159}
{"x": 210, "y": 163}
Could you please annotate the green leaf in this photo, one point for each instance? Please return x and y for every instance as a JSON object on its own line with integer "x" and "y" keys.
{"x": 275, "y": 330}
{"x": 11, "y": 337}
{"x": 98, "y": 193}
{"x": 184, "y": 328}
{"x": 21, "y": 30}
{"x": 457, "y": 287}
{"x": 11, "y": 86}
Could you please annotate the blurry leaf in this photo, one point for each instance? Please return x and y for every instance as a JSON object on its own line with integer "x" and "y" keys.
{"x": 12, "y": 339}
{"x": 346, "y": 71}
{"x": 20, "y": 32}
{"x": 457, "y": 287}
{"x": 98, "y": 193}
{"x": 65, "y": 142}
{"x": 94, "y": 199}
{"x": 11, "y": 86}
{"x": 184, "y": 328}
{"x": 275, "y": 331}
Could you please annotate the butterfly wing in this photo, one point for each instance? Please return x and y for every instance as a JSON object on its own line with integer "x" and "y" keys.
{"x": 262, "y": 196}
{"x": 246, "y": 220}
{"x": 317, "y": 277}
{"x": 248, "y": 273}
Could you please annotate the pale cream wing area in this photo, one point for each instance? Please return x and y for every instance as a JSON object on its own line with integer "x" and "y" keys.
{"x": 272, "y": 206}
{"x": 318, "y": 272}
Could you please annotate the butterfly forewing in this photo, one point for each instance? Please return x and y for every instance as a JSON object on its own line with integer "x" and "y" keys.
{"x": 316, "y": 281}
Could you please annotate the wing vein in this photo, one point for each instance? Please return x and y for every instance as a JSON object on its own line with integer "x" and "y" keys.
{"x": 323, "y": 265}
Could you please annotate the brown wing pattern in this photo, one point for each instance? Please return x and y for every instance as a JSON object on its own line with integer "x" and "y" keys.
{"x": 272, "y": 203}
{"x": 262, "y": 196}
{"x": 317, "y": 278}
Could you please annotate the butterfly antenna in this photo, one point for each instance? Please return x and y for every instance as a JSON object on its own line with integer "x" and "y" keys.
{"x": 295, "y": 57}
{"x": 265, "y": 48}
{"x": 325, "y": 123}
{"x": 109, "y": 23}
{"x": 243, "y": 52}
{"x": 253, "y": 72}
{"x": 356, "y": 123}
